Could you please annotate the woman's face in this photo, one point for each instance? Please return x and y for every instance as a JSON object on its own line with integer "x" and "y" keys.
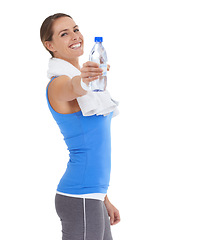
{"x": 67, "y": 42}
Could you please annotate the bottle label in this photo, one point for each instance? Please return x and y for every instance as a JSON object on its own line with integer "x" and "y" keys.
{"x": 104, "y": 67}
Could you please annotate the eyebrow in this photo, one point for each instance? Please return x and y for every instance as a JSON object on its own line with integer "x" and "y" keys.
{"x": 67, "y": 29}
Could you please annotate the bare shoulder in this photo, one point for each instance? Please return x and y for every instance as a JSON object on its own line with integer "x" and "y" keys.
{"x": 57, "y": 82}
{"x": 56, "y": 90}
{"x": 61, "y": 89}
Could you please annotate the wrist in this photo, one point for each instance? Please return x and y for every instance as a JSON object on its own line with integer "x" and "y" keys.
{"x": 76, "y": 84}
{"x": 106, "y": 199}
{"x": 84, "y": 85}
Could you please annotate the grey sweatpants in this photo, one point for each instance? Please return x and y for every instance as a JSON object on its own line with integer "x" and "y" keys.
{"x": 82, "y": 218}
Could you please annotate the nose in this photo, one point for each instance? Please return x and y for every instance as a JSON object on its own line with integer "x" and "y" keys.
{"x": 74, "y": 36}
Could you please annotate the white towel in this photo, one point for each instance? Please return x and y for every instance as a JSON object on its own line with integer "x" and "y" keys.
{"x": 93, "y": 103}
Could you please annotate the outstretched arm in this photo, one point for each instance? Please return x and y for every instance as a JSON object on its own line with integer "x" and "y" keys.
{"x": 65, "y": 89}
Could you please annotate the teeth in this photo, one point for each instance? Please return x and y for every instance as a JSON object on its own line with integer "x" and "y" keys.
{"x": 76, "y": 45}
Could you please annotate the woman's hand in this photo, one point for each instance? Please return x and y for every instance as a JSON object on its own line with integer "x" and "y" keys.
{"x": 90, "y": 72}
{"x": 112, "y": 212}
{"x": 108, "y": 67}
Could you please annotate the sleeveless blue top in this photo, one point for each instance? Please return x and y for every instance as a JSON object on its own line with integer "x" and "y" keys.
{"x": 88, "y": 140}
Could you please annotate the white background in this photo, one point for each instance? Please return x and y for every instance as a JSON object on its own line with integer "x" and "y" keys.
{"x": 160, "y": 56}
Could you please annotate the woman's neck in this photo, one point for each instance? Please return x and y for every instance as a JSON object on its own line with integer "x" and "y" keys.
{"x": 75, "y": 63}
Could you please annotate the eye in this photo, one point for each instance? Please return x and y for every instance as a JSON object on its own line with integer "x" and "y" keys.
{"x": 76, "y": 30}
{"x": 63, "y": 34}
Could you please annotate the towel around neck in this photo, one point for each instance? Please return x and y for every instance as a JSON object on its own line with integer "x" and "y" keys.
{"x": 93, "y": 103}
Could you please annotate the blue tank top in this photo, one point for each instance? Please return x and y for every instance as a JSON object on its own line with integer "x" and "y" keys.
{"x": 88, "y": 140}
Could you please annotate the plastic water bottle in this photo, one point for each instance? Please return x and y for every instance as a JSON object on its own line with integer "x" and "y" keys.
{"x": 98, "y": 55}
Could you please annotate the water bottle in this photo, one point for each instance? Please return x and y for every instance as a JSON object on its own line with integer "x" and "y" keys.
{"x": 98, "y": 55}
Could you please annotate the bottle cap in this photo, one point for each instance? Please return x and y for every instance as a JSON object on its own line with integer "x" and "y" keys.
{"x": 98, "y": 39}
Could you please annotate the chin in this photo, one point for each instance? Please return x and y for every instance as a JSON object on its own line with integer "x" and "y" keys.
{"x": 80, "y": 53}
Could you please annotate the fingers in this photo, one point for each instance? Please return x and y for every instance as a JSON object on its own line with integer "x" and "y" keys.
{"x": 114, "y": 217}
{"x": 91, "y": 64}
{"x": 90, "y": 72}
{"x": 112, "y": 220}
{"x": 86, "y": 72}
{"x": 92, "y": 69}
{"x": 108, "y": 67}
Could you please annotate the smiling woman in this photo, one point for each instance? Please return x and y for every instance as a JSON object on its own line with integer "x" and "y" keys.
{"x": 82, "y": 190}
{"x": 63, "y": 38}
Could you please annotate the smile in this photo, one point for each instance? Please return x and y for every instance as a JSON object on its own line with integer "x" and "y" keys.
{"x": 75, "y": 46}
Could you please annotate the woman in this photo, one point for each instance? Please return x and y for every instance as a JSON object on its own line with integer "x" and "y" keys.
{"x": 81, "y": 200}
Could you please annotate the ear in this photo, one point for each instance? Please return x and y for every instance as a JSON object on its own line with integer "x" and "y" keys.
{"x": 49, "y": 46}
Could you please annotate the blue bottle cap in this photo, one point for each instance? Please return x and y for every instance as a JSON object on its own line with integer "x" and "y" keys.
{"x": 98, "y": 39}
